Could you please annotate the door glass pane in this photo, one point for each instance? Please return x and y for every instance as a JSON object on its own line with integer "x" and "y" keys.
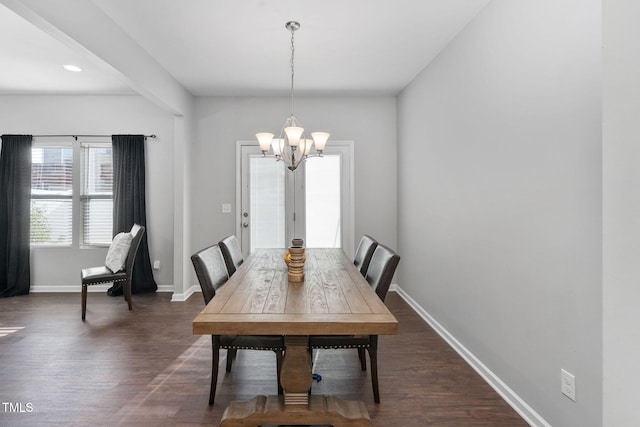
{"x": 322, "y": 198}
{"x": 266, "y": 200}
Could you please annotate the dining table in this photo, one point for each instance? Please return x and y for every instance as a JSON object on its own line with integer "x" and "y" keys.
{"x": 333, "y": 298}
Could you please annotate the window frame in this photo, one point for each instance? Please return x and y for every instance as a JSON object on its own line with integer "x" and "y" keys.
{"x": 84, "y": 197}
{"x": 57, "y": 144}
{"x": 76, "y": 196}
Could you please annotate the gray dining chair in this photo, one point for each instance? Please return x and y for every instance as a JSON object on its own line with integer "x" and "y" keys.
{"x": 379, "y": 275}
{"x": 364, "y": 252}
{"x": 211, "y": 271}
{"x": 102, "y": 274}
{"x": 232, "y": 253}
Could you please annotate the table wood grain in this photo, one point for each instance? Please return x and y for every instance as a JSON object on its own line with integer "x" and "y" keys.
{"x": 334, "y": 299}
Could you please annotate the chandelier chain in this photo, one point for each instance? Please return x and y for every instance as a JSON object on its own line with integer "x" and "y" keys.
{"x": 293, "y": 51}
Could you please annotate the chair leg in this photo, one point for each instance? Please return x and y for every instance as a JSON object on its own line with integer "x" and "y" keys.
{"x": 373, "y": 357}
{"x": 310, "y": 350}
{"x": 279, "y": 369}
{"x": 363, "y": 359}
{"x": 84, "y": 301}
{"x": 214, "y": 374}
{"x": 231, "y": 354}
{"x": 127, "y": 293}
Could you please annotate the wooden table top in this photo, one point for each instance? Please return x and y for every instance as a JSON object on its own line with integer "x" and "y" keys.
{"x": 258, "y": 299}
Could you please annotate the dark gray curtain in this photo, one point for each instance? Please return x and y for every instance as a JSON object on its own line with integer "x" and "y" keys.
{"x": 15, "y": 215}
{"x": 129, "y": 203}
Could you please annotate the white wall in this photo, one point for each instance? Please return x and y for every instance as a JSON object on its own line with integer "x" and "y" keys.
{"x": 221, "y": 121}
{"x": 59, "y": 269}
{"x": 621, "y": 140}
{"x": 500, "y": 192}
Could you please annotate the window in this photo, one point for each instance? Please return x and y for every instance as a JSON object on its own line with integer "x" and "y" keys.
{"x": 96, "y": 199}
{"x": 51, "y": 195}
{"x": 59, "y": 193}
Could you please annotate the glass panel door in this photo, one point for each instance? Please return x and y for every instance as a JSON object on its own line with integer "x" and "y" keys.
{"x": 323, "y": 202}
{"x": 266, "y": 203}
{"x": 262, "y": 201}
{"x": 314, "y": 203}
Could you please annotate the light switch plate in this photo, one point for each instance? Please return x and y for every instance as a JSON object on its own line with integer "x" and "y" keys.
{"x": 226, "y": 208}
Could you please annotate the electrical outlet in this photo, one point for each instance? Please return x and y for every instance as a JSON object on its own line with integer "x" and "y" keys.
{"x": 568, "y": 384}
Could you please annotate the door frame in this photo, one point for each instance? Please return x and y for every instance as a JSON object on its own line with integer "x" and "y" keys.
{"x": 347, "y": 200}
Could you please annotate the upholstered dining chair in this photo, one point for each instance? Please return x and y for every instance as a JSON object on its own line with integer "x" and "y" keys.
{"x": 364, "y": 252}
{"x": 103, "y": 274}
{"x": 212, "y": 274}
{"x": 232, "y": 253}
{"x": 379, "y": 275}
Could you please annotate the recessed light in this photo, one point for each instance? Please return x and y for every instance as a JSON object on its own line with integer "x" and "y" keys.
{"x": 71, "y": 67}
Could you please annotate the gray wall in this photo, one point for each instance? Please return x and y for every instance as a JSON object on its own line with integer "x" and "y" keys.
{"x": 221, "y": 121}
{"x": 500, "y": 195}
{"x": 59, "y": 269}
{"x": 621, "y": 295}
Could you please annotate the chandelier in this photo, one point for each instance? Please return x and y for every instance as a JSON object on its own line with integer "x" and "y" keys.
{"x": 292, "y": 146}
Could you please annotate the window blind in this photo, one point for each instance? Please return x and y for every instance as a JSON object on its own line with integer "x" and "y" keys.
{"x": 323, "y": 202}
{"x": 51, "y": 195}
{"x": 96, "y": 198}
{"x": 267, "y": 201}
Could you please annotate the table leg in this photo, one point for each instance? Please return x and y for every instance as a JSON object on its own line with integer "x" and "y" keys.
{"x": 296, "y": 407}
{"x": 296, "y": 375}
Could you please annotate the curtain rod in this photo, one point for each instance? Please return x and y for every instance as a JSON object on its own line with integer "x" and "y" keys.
{"x": 84, "y": 136}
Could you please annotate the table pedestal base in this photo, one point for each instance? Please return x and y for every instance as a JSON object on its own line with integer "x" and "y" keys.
{"x": 320, "y": 410}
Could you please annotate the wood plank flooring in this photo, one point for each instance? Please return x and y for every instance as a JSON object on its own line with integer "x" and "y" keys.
{"x": 145, "y": 368}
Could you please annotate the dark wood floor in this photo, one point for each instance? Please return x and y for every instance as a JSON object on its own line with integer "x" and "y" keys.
{"x": 145, "y": 368}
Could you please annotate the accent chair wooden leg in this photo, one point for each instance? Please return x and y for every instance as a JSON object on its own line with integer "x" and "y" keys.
{"x": 373, "y": 357}
{"x": 127, "y": 293}
{"x": 214, "y": 374}
{"x": 84, "y": 301}
{"x": 279, "y": 369}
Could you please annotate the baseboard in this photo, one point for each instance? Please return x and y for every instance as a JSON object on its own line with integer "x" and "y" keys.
{"x": 184, "y": 296}
{"x": 77, "y": 288}
{"x": 515, "y": 401}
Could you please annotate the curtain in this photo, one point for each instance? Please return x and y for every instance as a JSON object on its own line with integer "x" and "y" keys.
{"x": 15, "y": 215}
{"x": 129, "y": 205}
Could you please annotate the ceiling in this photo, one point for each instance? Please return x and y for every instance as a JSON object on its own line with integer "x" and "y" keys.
{"x": 232, "y": 47}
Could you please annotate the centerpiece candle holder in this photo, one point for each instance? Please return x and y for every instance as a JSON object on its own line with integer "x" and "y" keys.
{"x": 295, "y": 259}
